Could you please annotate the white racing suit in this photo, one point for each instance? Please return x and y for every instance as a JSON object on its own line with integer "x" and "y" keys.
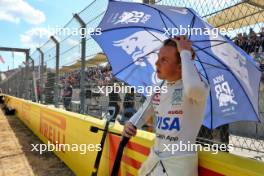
{"x": 179, "y": 114}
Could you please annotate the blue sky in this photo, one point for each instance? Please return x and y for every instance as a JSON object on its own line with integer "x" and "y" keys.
{"x": 18, "y": 17}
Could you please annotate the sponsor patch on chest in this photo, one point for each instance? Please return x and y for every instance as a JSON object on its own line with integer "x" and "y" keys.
{"x": 168, "y": 123}
{"x": 176, "y": 98}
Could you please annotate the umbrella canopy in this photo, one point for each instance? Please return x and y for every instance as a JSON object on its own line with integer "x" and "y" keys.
{"x": 132, "y": 34}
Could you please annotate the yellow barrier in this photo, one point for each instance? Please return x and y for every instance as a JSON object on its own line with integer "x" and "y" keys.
{"x": 59, "y": 126}
{"x": 65, "y": 127}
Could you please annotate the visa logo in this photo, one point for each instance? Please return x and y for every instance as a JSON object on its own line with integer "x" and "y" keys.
{"x": 168, "y": 123}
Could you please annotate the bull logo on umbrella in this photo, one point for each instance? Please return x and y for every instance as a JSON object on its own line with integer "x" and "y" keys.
{"x": 139, "y": 48}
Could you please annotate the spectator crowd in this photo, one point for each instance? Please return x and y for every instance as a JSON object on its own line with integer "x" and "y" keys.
{"x": 98, "y": 75}
{"x": 252, "y": 42}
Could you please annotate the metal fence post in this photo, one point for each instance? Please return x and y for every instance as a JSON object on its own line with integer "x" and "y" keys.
{"x": 56, "y": 91}
{"x": 83, "y": 53}
{"x": 41, "y": 74}
{"x": 32, "y": 83}
{"x": 19, "y": 80}
{"x": 20, "y": 92}
{"x": 27, "y": 75}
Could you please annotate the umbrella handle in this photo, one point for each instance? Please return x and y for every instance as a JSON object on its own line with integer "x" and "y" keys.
{"x": 119, "y": 154}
